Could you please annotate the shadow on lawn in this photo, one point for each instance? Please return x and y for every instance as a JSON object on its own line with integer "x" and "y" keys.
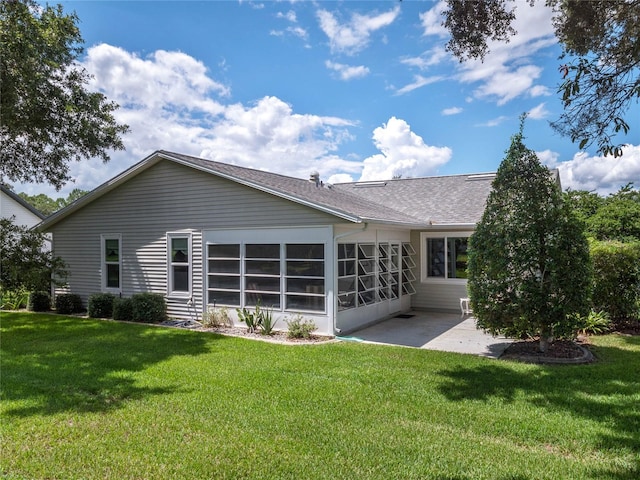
{"x": 54, "y": 363}
{"x": 603, "y": 392}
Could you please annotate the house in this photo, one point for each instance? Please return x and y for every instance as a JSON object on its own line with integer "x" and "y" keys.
{"x": 207, "y": 234}
{"x": 12, "y": 205}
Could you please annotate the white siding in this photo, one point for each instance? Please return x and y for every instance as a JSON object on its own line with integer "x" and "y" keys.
{"x": 9, "y": 208}
{"x": 165, "y": 198}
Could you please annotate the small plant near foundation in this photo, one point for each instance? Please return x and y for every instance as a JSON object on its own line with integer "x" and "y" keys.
{"x": 265, "y": 320}
{"x": 595, "y": 323}
{"x": 300, "y": 327}
{"x": 216, "y": 317}
{"x": 249, "y": 318}
{"x": 13, "y": 299}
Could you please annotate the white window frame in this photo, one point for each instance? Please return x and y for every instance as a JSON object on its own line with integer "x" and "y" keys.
{"x": 103, "y": 262}
{"x": 424, "y": 278}
{"x": 170, "y": 264}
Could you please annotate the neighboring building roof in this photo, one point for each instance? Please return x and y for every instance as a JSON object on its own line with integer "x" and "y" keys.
{"x": 446, "y": 200}
{"x": 411, "y": 202}
{"x": 21, "y": 201}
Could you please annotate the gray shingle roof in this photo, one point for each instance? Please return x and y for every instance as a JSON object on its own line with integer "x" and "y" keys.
{"x": 455, "y": 199}
{"x": 412, "y": 202}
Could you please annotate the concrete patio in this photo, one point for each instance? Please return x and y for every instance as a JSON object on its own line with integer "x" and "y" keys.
{"x": 433, "y": 331}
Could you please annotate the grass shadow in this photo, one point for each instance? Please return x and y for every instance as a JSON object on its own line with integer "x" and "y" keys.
{"x": 605, "y": 392}
{"x": 53, "y": 363}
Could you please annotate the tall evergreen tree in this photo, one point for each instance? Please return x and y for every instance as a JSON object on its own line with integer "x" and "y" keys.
{"x": 529, "y": 264}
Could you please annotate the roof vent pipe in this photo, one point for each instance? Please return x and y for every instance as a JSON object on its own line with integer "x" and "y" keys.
{"x": 315, "y": 178}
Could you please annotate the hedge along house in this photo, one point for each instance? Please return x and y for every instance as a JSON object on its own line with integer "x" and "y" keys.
{"x": 206, "y": 234}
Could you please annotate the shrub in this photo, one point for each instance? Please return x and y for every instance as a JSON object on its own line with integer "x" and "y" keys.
{"x": 595, "y": 323}
{"x": 300, "y": 327}
{"x": 148, "y": 308}
{"x": 616, "y": 276}
{"x": 216, "y": 317}
{"x": 13, "y": 299}
{"x": 122, "y": 308}
{"x": 100, "y": 305}
{"x": 68, "y": 303}
{"x": 39, "y": 302}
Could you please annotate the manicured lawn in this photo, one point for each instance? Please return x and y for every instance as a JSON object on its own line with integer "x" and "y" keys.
{"x": 105, "y": 400}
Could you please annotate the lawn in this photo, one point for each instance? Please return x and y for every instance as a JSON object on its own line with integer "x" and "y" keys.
{"x": 106, "y": 400}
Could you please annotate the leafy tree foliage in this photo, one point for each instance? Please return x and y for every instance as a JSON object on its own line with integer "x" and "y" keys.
{"x": 48, "y": 116}
{"x": 599, "y": 84}
{"x": 529, "y": 268}
{"x": 616, "y": 217}
{"x": 48, "y": 205}
{"x": 24, "y": 260}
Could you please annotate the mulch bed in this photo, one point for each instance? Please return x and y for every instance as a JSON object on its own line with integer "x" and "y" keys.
{"x": 560, "y": 351}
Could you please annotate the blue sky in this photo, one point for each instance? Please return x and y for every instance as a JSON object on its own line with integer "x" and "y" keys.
{"x": 355, "y": 90}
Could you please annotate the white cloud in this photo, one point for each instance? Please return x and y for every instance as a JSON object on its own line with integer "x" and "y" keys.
{"x": 347, "y": 72}
{"x": 427, "y": 59}
{"x": 170, "y": 102}
{"x": 432, "y": 20}
{"x": 538, "y": 112}
{"x": 494, "y": 122}
{"x": 597, "y": 173}
{"x": 290, "y": 16}
{"x": 418, "y": 82}
{"x": 402, "y": 153}
{"x": 295, "y": 30}
{"x": 353, "y": 36}
{"x": 452, "y": 111}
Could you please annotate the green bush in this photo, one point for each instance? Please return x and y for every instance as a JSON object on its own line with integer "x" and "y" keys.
{"x": 13, "y": 299}
{"x": 100, "y": 305}
{"x": 39, "y": 302}
{"x": 122, "y": 308}
{"x": 616, "y": 273}
{"x": 148, "y": 308}
{"x": 595, "y": 323}
{"x": 300, "y": 327}
{"x": 68, "y": 303}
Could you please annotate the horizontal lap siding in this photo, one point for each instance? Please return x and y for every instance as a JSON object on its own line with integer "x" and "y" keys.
{"x": 165, "y": 198}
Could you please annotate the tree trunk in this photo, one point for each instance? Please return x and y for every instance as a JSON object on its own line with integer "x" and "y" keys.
{"x": 545, "y": 341}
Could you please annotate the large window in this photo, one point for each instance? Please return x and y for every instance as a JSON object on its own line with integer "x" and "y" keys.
{"x": 179, "y": 250}
{"x": 272, "y": 274}
{"x": 111, "y": 262}
{"x": 445, "y": 257}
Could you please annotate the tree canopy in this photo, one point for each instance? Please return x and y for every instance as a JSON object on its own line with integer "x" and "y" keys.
{"x": 601, "y": 58}
{"x": 49, "y": 117}
{"x": 528, "y": 257}
{"x": 48, "y": 205}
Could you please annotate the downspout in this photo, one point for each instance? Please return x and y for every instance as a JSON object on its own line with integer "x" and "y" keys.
{"x": 336, "y": 330}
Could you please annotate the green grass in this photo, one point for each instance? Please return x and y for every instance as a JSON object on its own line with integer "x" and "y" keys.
{"x": 106, "y": 400}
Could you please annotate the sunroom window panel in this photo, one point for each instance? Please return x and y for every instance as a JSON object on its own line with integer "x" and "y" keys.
{"x": 224, "y": 282}
{"x": 262, "y": 267}
{"x": 224, "y": 266}
{"x": 268, "y": 284}
{"x": 218, "y": 297}
{"x": 303, "y": 302}
{"x": 305, "y": 269}
{"x": 305, "y": 251}
{"x": 222, "y": 250}
{"x": 457, "y": 257}
{"x": 266, "y": 300}
{"x": 253, "y": 250}
{"x": 305, "y": 285}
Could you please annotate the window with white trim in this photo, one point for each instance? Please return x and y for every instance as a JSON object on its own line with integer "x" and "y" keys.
{"x": 444, "y": 256}
{"x": 280, "y": 276}
{"x": 179, "y": 264}
{"x": 111, "y": 256}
